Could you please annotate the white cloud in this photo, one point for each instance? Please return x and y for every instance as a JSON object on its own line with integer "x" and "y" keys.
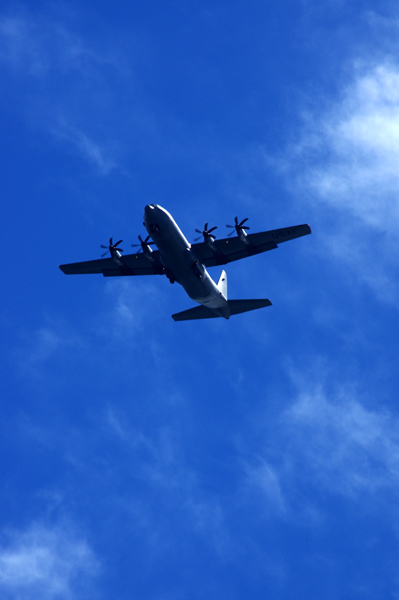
{"x": 35, "y": 43}
{"x": 162, "y": 467}
{"x": 341, "y": 445}
{"x": 93, "y": 152}
{"x": 135, "y": 302}
{"x": 47, "y": 342}
{"x": 263, "y": 481}
{"x": 44, "y": 562}
{"x": 19, "y": 46}
{"x": 353, "y": 149}
{"x": 330, "y": 438}
{"x": 345, "y": 165}
{"x": 63, "y": 82}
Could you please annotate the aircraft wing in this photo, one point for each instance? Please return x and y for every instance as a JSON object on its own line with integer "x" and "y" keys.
{"x": 230, "y": 249}
{"x": 131, "y": 264}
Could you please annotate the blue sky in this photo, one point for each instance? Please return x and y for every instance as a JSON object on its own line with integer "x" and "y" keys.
{"x": 250, "y": 458}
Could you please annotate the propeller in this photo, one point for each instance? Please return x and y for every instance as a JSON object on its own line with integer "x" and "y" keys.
{"x": 239, "y": 227}
{"x": 112, "y": 247}
{"x": 206, "y": 233}
{"x": 143, "y": 243}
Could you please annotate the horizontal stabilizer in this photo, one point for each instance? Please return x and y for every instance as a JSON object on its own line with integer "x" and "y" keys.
{"x": 198, "y": 312}
{"x": 235, "y": 307}
{"x": 241, "y": 306}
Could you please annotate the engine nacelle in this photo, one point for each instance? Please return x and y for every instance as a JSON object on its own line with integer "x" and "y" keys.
{"x": 147, "y": 250}
{"x": 116, "y": 257}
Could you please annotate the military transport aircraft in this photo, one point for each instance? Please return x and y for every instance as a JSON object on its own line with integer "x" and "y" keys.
{"x": 185, "y": 263}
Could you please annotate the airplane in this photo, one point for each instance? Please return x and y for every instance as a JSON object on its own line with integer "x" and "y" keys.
{"x": 186, "y": 263}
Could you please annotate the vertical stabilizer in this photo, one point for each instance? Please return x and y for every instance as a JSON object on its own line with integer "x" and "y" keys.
{"x": 222, "y": 284}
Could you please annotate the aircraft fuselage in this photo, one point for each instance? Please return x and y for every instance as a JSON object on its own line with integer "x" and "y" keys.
{"x": 180, "y": 262}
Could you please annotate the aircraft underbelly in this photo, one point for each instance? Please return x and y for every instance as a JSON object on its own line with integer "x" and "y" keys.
{"x": 191, "y": 274}
{"x": 193, "y": 277}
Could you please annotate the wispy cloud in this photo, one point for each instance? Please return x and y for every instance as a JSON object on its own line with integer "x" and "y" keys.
{"x": 95, "y": 153}
{"x": 20, "y": 47}
{"x": 330, "y": 438}
{"x": 352, "y": 149}
{"x": 345, "y": 163}
{"x": 45, "y": 562}
{"x": 347, "y": 447}
{"x": 134, "y": 303}
{"x": 262, "y": 484}
{"x": 35, "y": 43}
{"x": 62, "y": 77}
{"x": 160, "y": 464}
{"x": 53, "y": 337}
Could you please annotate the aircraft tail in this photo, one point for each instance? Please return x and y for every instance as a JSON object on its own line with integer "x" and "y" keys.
{"x": 235, "y": 307}
{"x": 222, "y": 284}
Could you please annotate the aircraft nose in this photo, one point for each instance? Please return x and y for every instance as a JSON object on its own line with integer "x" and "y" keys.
{"x": 147, "y": 211}
{"x": 150, "y": 209}
{"x": 151, "y": 215}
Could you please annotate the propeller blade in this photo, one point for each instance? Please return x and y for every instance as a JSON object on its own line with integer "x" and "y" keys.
{"x": 111, "y": 247}
{"x": 139, "y": 246}
{"x": 206, "y": 233}
{"x": 105, "y": 253}
{"x": 238, "y": 226}
{"x": 143, "y": 243}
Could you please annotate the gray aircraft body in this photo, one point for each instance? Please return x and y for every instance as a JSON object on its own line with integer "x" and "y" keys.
{"x": 186, "y": 263}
